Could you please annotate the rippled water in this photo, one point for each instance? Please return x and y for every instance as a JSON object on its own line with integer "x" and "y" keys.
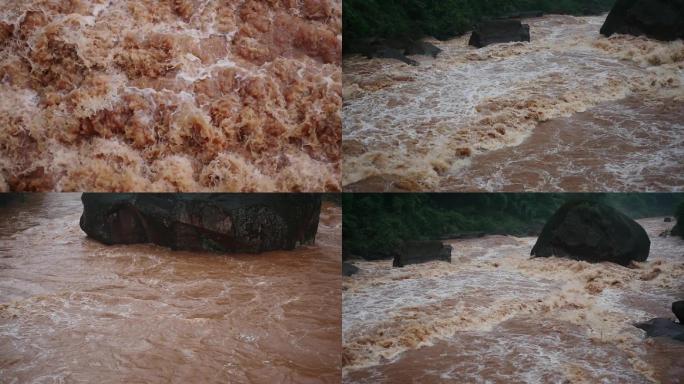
{"x": 495, "y": 315}
{"x": 74, "y": 310}
{"x": 570, "y": 110}
{"x": 160, "y": 95}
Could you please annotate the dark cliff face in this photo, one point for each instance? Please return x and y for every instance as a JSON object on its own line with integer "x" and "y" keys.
{"x": 594, "y": 232}
{"x": 214, "y": 222}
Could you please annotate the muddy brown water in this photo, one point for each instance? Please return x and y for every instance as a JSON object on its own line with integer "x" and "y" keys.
{"x": 74, "y": 310}
{"x": 571, "y": 110}
{"x": 613, "y": 147}
{"x": 494, "y": 315}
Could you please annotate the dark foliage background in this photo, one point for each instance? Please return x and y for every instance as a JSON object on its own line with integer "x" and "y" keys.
{"x": 375, "y": 224}
{"x": 443, "y": 18}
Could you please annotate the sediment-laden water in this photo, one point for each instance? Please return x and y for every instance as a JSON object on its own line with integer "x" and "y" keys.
{"x": 496, "y": 316}
{"x": 569, "y": 110}
{"x": 74, "y": 310}
{"x": 160, "y": 95}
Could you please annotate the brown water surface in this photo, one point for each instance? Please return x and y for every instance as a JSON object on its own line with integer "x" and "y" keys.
{"x": 494, "y": 315}
{"x": 571, "y": 110}
{"x": 74, "y": 310}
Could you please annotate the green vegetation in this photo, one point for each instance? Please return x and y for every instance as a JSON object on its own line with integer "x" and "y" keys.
{"x": 375, "y": 224}
{"x": 443, "y": 18}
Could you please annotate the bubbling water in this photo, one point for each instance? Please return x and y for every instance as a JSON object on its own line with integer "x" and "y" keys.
{"x": 72, "y": 309}
{"x": 417, "y": 128}
{"x": 496, "y": 315}
{"x": 184, "y": 95}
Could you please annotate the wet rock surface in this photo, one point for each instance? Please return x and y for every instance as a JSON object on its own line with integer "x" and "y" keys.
{"x": 658, "y": 19}
{"x": 660, "y": 327}
{"x": 349, "y": 269}
{"x": 213, "y": 222}
{"x": 416, "y": 252}
{"x": 499, "y": 31}
{"x": 397, "y": 49}
{"x": 593, "y": 232}
{"x": 678, "y": 310}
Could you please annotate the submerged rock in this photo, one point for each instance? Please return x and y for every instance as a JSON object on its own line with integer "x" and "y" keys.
{"x": 349, "y": 269}
{"x": 668, "y": 220}
{"x": 415, "y": 252}
{"x": 660, "y": 327}
{"x": 658, "y": 19}
{"x": 214, "y": 222}
{"x": 392, "y": 53}
{"x": 594, "y": 232}
{"x": 499, "y": 31}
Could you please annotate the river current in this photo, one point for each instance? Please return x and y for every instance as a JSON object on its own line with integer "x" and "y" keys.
{"x": 494, "y": 315}
{"x": 74, "y": 310}
{"x": 571, "y": 110}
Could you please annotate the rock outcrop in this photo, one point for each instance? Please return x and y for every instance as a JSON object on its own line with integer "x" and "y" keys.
{"x": 593, "y": 232}
{"x": 658, "y": 19}
{"x": 349, "y": 269}
{"x": 660, "y": 327}
{"x": 396, "y": 49}
{"x": 415, "y": 252}
{"x": 499, "y": 31}
{"x": 678, "y": 310}
{"x": 249, "y": 223}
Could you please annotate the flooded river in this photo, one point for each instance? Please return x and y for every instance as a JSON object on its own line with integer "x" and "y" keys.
{"x": 572, "y": 110}
{"x": 496, "y": 316}
{"x": 74, "y": 310}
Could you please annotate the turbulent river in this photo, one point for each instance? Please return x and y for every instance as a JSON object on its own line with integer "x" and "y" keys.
{"x": 160, "y": 95}
{"x": 572, "y": 110}
{"x": 74, "y": 310}
{"x": 496, "y": 316}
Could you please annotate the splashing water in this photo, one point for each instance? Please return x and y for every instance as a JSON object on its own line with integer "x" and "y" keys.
{"x": 495, "y": 315}
{"x": 457, "y": 122}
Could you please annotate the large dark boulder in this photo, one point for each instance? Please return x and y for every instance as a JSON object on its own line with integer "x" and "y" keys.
{"x": 660, "y": 327}
{"x": 415, "y": 252}
{"x": 397, "y": 48}
{"x": 678, "y": 310}
{"x": 658, "y": 19}
{"x": 392, "y": 53}
{"x": 594, "y": 232}
{"x": 499, "y": 31}
{"x": 214, "y": 222}
{"x": 349, "y": 269}
{"x": 422, "y": 48}
{"x": 6, "y": 198}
